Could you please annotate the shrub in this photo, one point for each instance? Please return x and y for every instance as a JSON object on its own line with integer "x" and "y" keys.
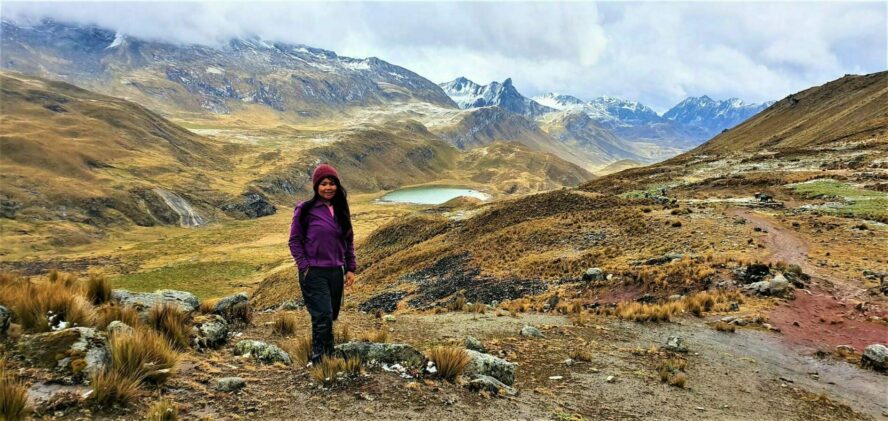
{"x": 299, "y": 350}
{"x": 98, "y": 289}
{"x": 163, "y": 410}
{"x": 172, "y": 322}
{"x": 450, "y": 361}
{"x": 111, "y": 387}
{"x": 284, "y": 325}
{"x": 144, "y": 355}
{"x": 13, "y": 396}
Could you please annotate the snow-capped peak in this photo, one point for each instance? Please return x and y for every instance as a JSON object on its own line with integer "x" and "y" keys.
{"x": 119, "y": 39}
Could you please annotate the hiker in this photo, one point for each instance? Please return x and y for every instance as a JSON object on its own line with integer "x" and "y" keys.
{"x": 322, "y": 244}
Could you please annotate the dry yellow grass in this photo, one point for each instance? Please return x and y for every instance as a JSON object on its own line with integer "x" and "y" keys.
{"x": 581, "y": 354}
{"x": 341, "y": 333}
{"x": 450, "y": 361}
{"x": 299, "y": 350}
{"x": 172, "y": 322}
{"x": 111, "y": 312}
{"x": 329, "y": 369}
{"x": 725, "y": 327}
{"x": 163, "y": 410}
{"x": 33, "y": 301}
{"x": 13, "y": 395}
{"x": 110, "y": 387}
{"x": 144, "y": 355}
{"x": 284, "y": 324}
{"x": 672, "y": 371}
{"x": 379, "y": 335}
{"x": 98, "y": 288}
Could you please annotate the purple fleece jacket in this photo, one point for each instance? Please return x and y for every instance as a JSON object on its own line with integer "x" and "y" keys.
{"x": 323, "y": 245}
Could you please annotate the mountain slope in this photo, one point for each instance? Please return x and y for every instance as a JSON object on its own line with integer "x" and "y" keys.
{"x": 468, "y": 94}
{"x": 710, "y": 116}
{"x": 243, "y": 76}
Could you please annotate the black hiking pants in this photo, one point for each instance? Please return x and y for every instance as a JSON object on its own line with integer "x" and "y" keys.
{"x": 322, "y": 293}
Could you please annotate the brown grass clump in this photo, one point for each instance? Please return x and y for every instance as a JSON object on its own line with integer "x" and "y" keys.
{"x": 341, "y": 333}
{"x": 329, "y": 369}
{"x": 172, "y": 322}
{"x": 284, "y": 325}
{"x": 581, "y": 354}
{"x": 478, "y": 308}
{"x": 672, "y": 371}
{"x": 163, "y": 410}
{"x": 299, "y": 350}
{"x": 98, "y": 289}
{"x": 144, "y": 355}
{"x": 35, "y": 302}
{"x": 450, "y": 361}
{"x": 207, "y": 306}
{"x": 240, "y": 314}
{"x": 639, "y": 312}
{"x": 380, "y": 335}
{"x": 109, "y": 313}
{"x": 13, "y": 396}
{"x": 457, "y": 304}
{"x": 111, "y": 387}
{"x": 725, "y": 327}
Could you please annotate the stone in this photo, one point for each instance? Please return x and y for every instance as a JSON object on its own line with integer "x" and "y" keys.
{"x": 383, "y": 353}
{"x": 252, "y": 205}
{"x": 225, "y": 304}
{"x": 474, "y": 344}
{"x": 389, "y": 318}
{"x": 676, "y": 344}
{"x": 610, "y": 379}
{"x": 531, "y": 332}
{"x": 209, "y": 331}
{"x": 291, "y": 305}
{"x": 779, "y": 286}
{"x": 593, "y": 275}
{"x": 144, "y": 301}
{"x": 760, "y": 288}
{"x": 118, "y": 327}
{"x": 875, "y": 356}
{"x": 230, "y": 384}
{"x": 262, "y": 352}
{"x": 492, "y": 385}
{"x": 481, "y": 364}
{"x": 5, "y": 318}
{"x": 80, "y": 351}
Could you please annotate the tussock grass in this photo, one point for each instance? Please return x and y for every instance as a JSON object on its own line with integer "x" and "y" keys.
{"x": 341, "y": 333}
{"x": 32, "y": 302}
{"x": 672, "y": 371}
{"x": 240, "y": 314}
{"x": 284, "y": 325}
{"x": 144, "y": 355}
{"x": 480, "y": 308}
{"x": 110, "y": 387}
{"x": 299, "y": 350}
{"x": 697, "y": 304}
{"x": 13, "y": 396}
{"x": 458, "y": 303}
{"x": 207, "y": 306}
{"x": 581, "y": 354}
{"x": 725, "y": 327}
{"x": 163, "y": 410}
{"x": 380, "y": 335}
{"x": 98, "y": 289}
{"x": 329, "y": 369}
{"x": 172, "y": 322}
{"x": 111, "y": 312}
{"x": 449, "y": 360}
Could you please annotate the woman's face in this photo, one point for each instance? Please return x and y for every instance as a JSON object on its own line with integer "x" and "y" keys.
{"x": 327, "y": 189}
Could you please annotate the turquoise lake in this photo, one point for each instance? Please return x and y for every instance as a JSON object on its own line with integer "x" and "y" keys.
{"x": 432, "y": 195}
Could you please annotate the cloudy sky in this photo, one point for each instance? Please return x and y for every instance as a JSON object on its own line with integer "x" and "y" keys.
{"x": 655, "y": 53}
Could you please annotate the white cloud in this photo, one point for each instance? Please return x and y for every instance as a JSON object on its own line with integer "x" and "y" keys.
{"x": 656, "y": 53}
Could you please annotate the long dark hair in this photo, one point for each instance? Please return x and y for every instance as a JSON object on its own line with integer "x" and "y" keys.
{"x": 340, "y": 208}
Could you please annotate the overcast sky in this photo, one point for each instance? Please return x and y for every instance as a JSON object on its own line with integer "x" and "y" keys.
{"x": 655, "y": 53}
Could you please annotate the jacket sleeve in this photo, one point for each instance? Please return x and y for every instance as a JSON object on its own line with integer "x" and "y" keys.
{"x": 350, "y": 262}
{"x": 297, "y": 249}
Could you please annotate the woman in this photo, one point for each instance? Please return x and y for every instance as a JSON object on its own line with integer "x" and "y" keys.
{"x": 322, "y": 243}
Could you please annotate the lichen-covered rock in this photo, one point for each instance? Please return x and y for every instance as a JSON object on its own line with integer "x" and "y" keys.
{"x": 230, "y": 384}
{"x": 81, "y": 351}
{"x": 118, "y": 327}
{"x": 481, "y": 364}
{"x": 676, "y": 344}
{"x": 490, "y": 384}
{"x": 875, "y": 356}
{"x": 593, "y": 275}
{"x": 474, "y": 344}
{"x": 531, "y": 332}
{"x": 225, "y": 304}
{"x": 383, "y": 353}
{"x": 5, "y": 317}
{"x": 209, "y": 331}
{"x": 262, "y": 352}
{"x": 144, "y": 301}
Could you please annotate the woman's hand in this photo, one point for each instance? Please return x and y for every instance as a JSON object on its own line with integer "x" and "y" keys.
{"x": 349, "y": 279}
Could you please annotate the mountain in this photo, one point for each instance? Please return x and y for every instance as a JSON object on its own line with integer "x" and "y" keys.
{"x": 468, "y": 94}
{"x": 559, "y": 101}
{"x": 243, "y": 76}
{"x": 712, "y": 117}
{"x": 598, "y": 145}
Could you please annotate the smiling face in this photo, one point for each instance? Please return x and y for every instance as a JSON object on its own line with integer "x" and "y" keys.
{"x": 327, "y": 189}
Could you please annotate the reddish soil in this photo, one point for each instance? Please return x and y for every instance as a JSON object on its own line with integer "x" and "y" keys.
{"x": 825, "y": 316}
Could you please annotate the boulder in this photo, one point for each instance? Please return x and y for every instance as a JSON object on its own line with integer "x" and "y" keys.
{"x": 118, "y": 327}
{"x": 780, "y": 286}
{"x": 81, "y": 351}
{"x": 481, "y": 364}
{"x": 262, "y": 352}
{"x": 875, "y": 356}
{"x": 383, "y": 353}
{"x": 760, "y": 288}
{"x": 252, "y": 205}
{"x": 676, "y": 344}
{"x": 474, "y": 344}
{"x": 593, "y": 275}
{"x": 225, "y": 304}
{"x": 531, "y": 332}
{"x": 144, "y": 301}
{"x": 230, "y": 384}
{"x": 209, "y": 331}
{"x": 5, "y": 318}
{"x": 490, "y": 384}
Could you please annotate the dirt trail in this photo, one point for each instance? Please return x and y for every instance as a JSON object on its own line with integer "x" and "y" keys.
{"x": 825, "y": 315}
